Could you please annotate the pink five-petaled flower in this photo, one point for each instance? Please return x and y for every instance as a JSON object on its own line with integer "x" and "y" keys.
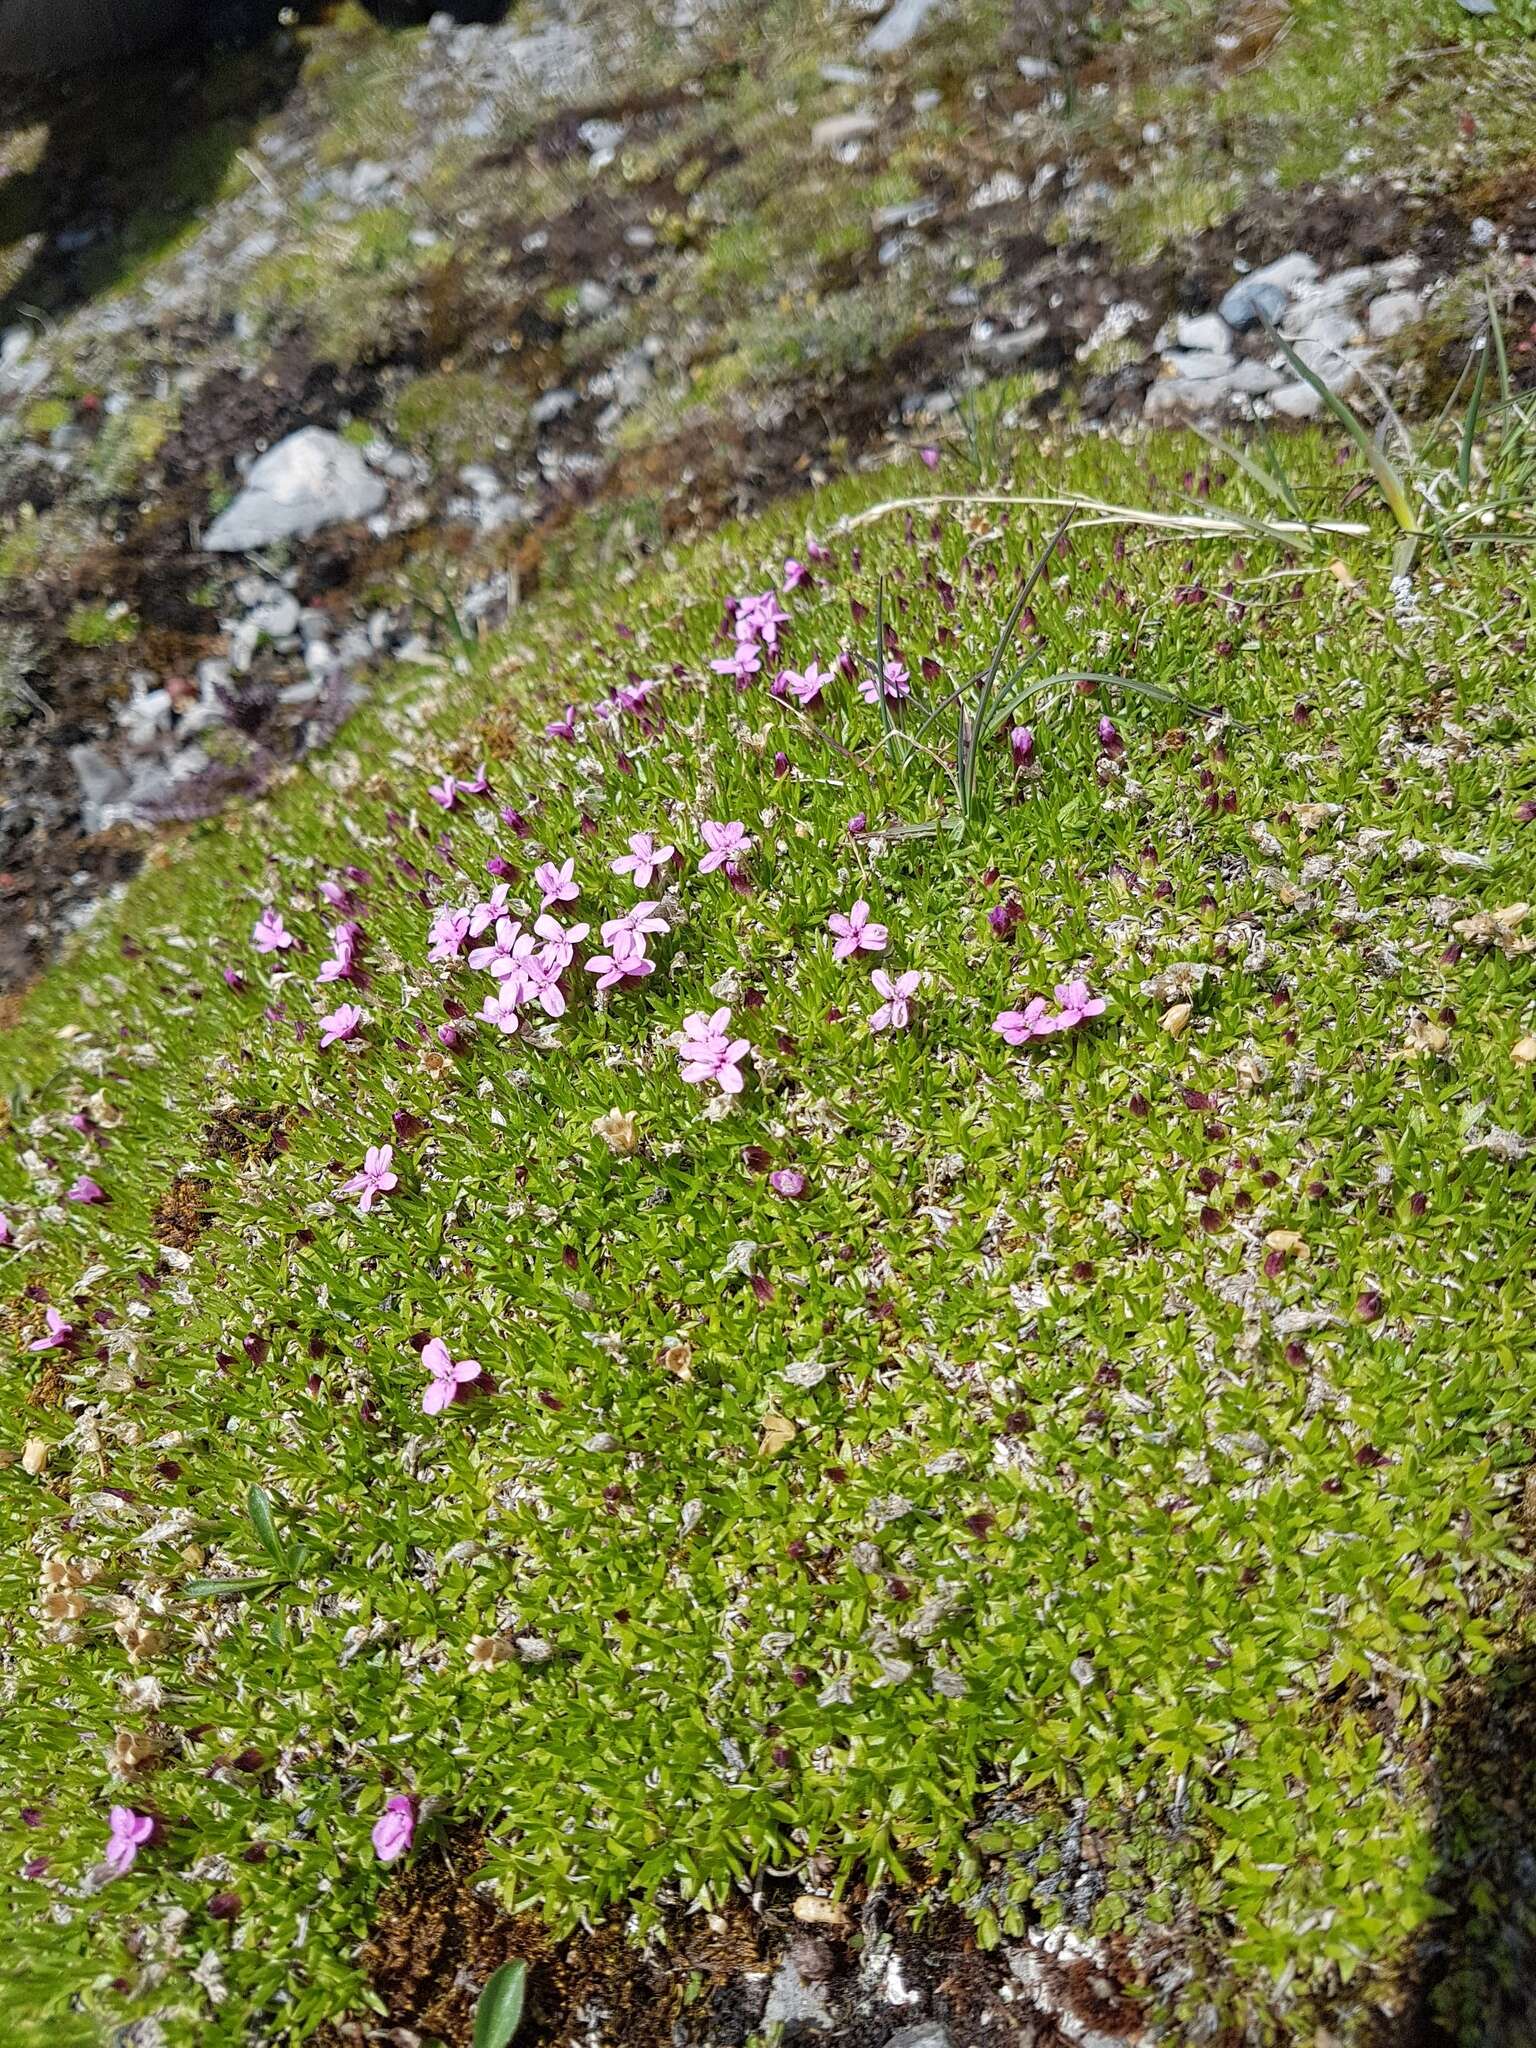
{"x": 625, "y": 959}
{"x": 795, "y": 573}
{"x": 709, "y": 1054}
{"x": 270, "y": 934}
{"x": 450, "y": 928}
{"x": 638, "y": 922}
{"x": 1078, "y": 1004}
{"x": 806, "y": 685}
{"x": 5, "y": 1228}
{"x": 560, "y": 943}
{"x": 643, "y": 858}
{"x": 725, "y": 842}
{"x": 501, "y": 956}
{"x": 894, "y": 1013}
{"x": 85, "y": 1190}
{"x": 1018, "y": 1027}
{"x": 448, "y": 1379}
{"x": 374, "y": 1179}
{"x": 486, "y": 912}
{"x": 789, "y": 1182}
{"x": 445, "y": 793}
{"x": 395, "y": 1828}
{"x": 501, "y": 1009}
{"x": 343, "y": 961}
{"x": 343, "y": 1023}
{"x": 562, "y": 728}
{"x": 59, "y": 1334}
{"x": 742, "y": 661}
{"x": 894, "y": 680}
{"x": 127, "y": 1832}
{"x": 555, "y": 884}
{"x": 855, "y": 933}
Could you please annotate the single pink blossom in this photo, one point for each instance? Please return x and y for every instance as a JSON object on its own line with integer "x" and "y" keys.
{"x": 6, "y": 1236}
{"x": 795, "y": 573}
{"x": 445, "y": 793}
{"x": 640, "y": 922}
{"x": 501, "y": 1009}
{"x": 85, "y": 1190}
{"x": 60, "y": 1333}
{"x": 894, "y": 1013}
{"x": 395, "y": 1828}
{"x": 1078, "y": 1004}
{"x": 485, "y": 913}
{"x": 555, "y": 884}
{"x": 562, "y": 728}
{"x": 343, "y": 1023}
{"x": 789, "y": 1182}
{"x": 560, "y": 943}
{"x": 707, "y": 1053}
{"x": 450, "y": 928}
{"x": 338, "y": 897}
{"x": 806, "y": 685}
{"x": 501, "y": 956}
{"x": 127, "y": 1832}
{"x": 725, "y": 842}
{"x": 929, "y": 457}
{"x": 1021, "y": 742}
{"x": 447, "y": 1378}
{"x": 541, "y": 985}
{"x": 742, "y": 661}
{"x": 270, "y": 934}
{"x": 478, "y": 784}
{"x": 1110, "y": 741}
{"x": 643, "y": 859}
{"x": 1018, "y": 1027}
{"x": 342, "y": 965}
{"x": 855, "y": 933}
{"x": 894, "y": 680}
{"x": 625, "y": 959}
{"x": 374, "y": 1179}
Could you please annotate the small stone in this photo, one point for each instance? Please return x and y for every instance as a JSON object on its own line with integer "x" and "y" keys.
{"x": 813, "y": 1911}
{"x": 1205, "y": 333}
{"x": 1392, "y": 312}
{"x": 1197, "y": 368}
{"x": 1296, "y": 402}
{"x": 795, "y": 1999}
{"x": 838, "y": 130}
{"x": 1269, "y": 290}
{"x": 593, "y": 299}
{"x": 310, "y": 480}
{"x": 905, "y": 20}
{"x": 926, "y": 2034}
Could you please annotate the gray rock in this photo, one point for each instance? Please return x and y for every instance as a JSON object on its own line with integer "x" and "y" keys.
{"x": 1207, "y": 334}
{"x": 1338, "y": 367}
{"x": 552, "y": 405}
{"x": 311, "y": 480}
{"x": 1254, "y": 378}
{"x": 1328, "y": 325}
{"x": 14, "y": 344}
{"x": 102, "y": 783}
{"x": 795, "y": 1999}
{"x": 1186, "y": 398}
{"x": 1270, "y": 290}
{"x": 844, "y": 74}
{"x": 1296, "y": 402}
{"x": 838, "y": 130}
{"x": 1036, "y": 70}
{"x": 1197, "y": 368}
{"x": 593, "y": 299}
{"x": 1392, "y": 312}
{"x": 905, "y": 20}
{"x": 926, "y": 2034}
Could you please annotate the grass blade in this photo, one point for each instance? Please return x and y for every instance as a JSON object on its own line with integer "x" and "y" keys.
{"x": 1390, "y": 484}
{"x": 266, "y": 1529}
{"x": 500, "y": 2011}
{"x": 1474, "y": 407}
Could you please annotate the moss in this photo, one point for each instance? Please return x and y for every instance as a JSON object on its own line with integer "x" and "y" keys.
{"x": 45, "y": 416}
{"x": 23, "y": 545}
{"x": 102, "y": 625}
{"x": 453, "y": 416}
{"x": 129, "y": 443}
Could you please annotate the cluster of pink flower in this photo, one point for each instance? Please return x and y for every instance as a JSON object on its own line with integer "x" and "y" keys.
{"x": 1038, "y": 1020}
{"x": 854, "y": 932}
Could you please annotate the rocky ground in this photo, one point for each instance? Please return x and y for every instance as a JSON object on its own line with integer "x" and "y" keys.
{"x": 564, "y": 285}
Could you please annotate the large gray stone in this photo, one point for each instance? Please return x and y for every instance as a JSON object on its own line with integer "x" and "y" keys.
{"x": 926, "y": 2034}
{"x": 311, "y": 480}
{"x": 897, "y": 28}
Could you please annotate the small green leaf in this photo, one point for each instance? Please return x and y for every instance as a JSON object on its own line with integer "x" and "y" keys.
{"x": 265, "y": 1527}
{"x": 216, "y": 1589}
{"x": 500, "y": 2011}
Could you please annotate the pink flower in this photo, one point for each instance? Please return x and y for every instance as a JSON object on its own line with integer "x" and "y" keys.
{"x": 708, "y": 1054}
{"x": 930, "y": 457}
{"x": 638, "y": 922}
{"x": 562, "y": 728}
{"x": 759, "y": 618}
{"x": 643, "y": 859}
{"x": 555, "y": 884}
{"x": 395, "y": 1828}
{"x": 334, "y": 894}
{"x": 1018, "y": 1027}
{"x": 374, "y": 1180}
{"x": 1110, "y": 741}
{"x": 895, "y": 681}
{"x": 127, "y": 1833}
{"x": 85, "y": 1190}
{"x": 447, "y": 1379}
{"x": 795, "y": 573}
{"x": 485, "y": 914}
{"x": 342, "y": 1023}
{"x": 742, "y": 661}
{"x": 1021, "y": 742}
{"x": 344, "y": 945}
{"x": 541, "y": 985}
{"x": 855, "y": 933}
{"x": 450, "y": 928}
{"x": 477, "y": 785}
{"x": 625, "y": 959}
{"x": 725, "y": 842}
{"x": 501, "y": 956}
{"x": 59, "y": 1334}
{"x": 1078, "y": 1004}
{"x": 445, "y": 793}
{"x": 270, "y": 935}
{"x": 806, "y": 685}
{"x": 789, "y": 1182}
{"x": 501, "y": 1009}
{"x": 893, "y": 1014}
{"x": 5, "y": 1228}
{"x": 560, "y": 943}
